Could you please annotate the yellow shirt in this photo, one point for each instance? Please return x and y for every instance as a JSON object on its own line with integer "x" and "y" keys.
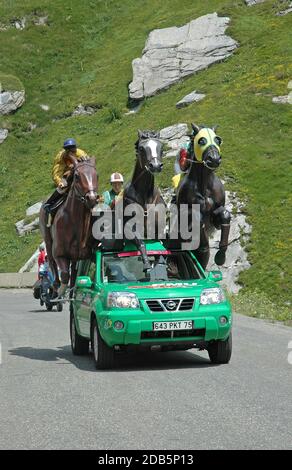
{"x": 60, "y": 167}
{"x": 177, "y": 179}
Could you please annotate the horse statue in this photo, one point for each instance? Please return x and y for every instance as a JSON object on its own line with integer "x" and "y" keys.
{"x": 67, "y": 239}
{"x": 141, "y": 189}
{"x": 201, "y": 186}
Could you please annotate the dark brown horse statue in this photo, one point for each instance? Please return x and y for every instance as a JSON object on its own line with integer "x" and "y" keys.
{"x": 201, "y": 186}
{"x": 141, "y": 189}
{"x": 67, "y": 238}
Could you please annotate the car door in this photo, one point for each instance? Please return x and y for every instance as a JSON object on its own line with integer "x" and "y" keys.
{"x": 84, "y": 312}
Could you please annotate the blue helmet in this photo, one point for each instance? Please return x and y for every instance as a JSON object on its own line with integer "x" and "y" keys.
{"x": 69, "y": 143}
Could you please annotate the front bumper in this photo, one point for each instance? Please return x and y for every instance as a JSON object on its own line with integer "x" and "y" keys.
{"x": 138, "y": 326}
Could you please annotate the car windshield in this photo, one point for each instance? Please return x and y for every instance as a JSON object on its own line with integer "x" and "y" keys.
{"x": 177, "y": 266}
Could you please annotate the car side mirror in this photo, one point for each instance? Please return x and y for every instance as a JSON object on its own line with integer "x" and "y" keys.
{"x": 215, "y": 276}
{"x": 84, "y": 281}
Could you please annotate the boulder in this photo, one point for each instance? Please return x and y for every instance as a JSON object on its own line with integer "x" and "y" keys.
{"x": 3, "y": 135}
{"x": 44, "y": 107}
{"x": 81, "y": 110}
{"x": 249, "y": 3}
{"x": 285, "y": 12}
{"x": 23, "y": 228}
{"x": 174, "y": 137}
{"x": 280, "y": 99}
{"x": 189, "y": 99}
{"x": 10, "y": 101}
{"x": 173, "y": 53}
{"x": 34, "y": 209}
{"x": 41, "y": 20}
{"x": 173, "y": 132}
{"x": 19, "y": 23}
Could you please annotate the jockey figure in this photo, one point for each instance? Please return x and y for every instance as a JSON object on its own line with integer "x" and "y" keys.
{"x": 181, "y": 167}
{"x": 110, "y": 197}
{"x": 62, "y": 169}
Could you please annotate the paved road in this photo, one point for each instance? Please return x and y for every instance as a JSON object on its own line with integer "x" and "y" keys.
{"x": 50, "y": 399}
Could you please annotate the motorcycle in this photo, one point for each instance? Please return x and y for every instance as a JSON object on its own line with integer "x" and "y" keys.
{"x": 43, "y": 290}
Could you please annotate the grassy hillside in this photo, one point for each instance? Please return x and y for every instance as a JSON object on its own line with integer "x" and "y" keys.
{"x": 84, "y": 56}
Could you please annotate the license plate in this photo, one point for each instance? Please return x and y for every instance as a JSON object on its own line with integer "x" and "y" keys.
{"x": 172, "y": 325}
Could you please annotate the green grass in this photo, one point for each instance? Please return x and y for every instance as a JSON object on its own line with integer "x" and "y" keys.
{"x": 84, "y": 56}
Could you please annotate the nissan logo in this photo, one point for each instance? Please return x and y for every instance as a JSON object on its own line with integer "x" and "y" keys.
{"x": 171, "y": 304}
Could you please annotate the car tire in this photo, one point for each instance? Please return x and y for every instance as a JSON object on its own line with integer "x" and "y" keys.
{"x": 103, "y": 355}
{"x": 79, "y": 345}
{"x": 220, "y": 351}
{"x": 49, "y": 307}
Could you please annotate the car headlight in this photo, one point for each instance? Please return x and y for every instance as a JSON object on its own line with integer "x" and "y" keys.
{"x": 122, "y": 300}
{"x": 212, "y": 296}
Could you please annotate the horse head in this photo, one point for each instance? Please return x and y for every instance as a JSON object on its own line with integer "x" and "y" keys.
{"x": 149, "y": 151}
{"x": 85, "y": 180}
{"x": 206, "y": 144}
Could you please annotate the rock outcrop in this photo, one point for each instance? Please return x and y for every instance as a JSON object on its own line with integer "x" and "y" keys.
{"x": 249, "y": 3}
{"x": 286, "y": 99}
{"x": 173, "y": 138}
{"x": 285, "y": 12}
{"x": 3, "y": 135}
{"x": 171, "y": 54}
{"x": 34, "y": 209}
{"x": 22, "y": 228}
{"x": 10, "y": 101}
{"x": 189, "y": 99}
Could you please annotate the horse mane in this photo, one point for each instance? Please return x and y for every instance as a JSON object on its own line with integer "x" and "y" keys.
{"x": 144, "y": 135}
{"x": 89, "y": 159}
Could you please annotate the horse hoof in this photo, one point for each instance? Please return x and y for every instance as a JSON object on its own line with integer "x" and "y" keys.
{"x": 220, "y": 257}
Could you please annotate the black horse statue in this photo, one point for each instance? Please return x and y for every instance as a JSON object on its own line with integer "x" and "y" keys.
{"x": 141, "y": 189}
{"x": 201, "y": 186}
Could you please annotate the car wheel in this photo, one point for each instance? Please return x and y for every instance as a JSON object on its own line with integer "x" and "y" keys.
{"x": 220, "y": 351}
{"x": 49, "y": 307}
{"x": 103, "y": 355}
{"x": 79, "y": 345}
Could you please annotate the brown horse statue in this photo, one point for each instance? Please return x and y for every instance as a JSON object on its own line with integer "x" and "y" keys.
{"x": 201, "y": 186}
{"x": 67, "y": 240}
{"x": 141, "y": 189}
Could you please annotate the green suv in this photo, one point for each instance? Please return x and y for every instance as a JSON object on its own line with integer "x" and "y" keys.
{"x": 178, "y": 306}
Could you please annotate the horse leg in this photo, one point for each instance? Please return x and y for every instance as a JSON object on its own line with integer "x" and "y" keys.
{"x": 64, "y": 265}
{"x": 73, "y": 276}
{"x": 141, "y": 247}
{"x": 49, "y": 247}
{"x": 222, "y": 220}
{"x": 54, "y": 268}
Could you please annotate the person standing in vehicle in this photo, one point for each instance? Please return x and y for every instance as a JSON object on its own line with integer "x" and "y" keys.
{"x": 110, "y": 197}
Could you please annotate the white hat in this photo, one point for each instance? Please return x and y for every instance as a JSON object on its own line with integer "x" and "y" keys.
{"x": 116, "y": 178}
